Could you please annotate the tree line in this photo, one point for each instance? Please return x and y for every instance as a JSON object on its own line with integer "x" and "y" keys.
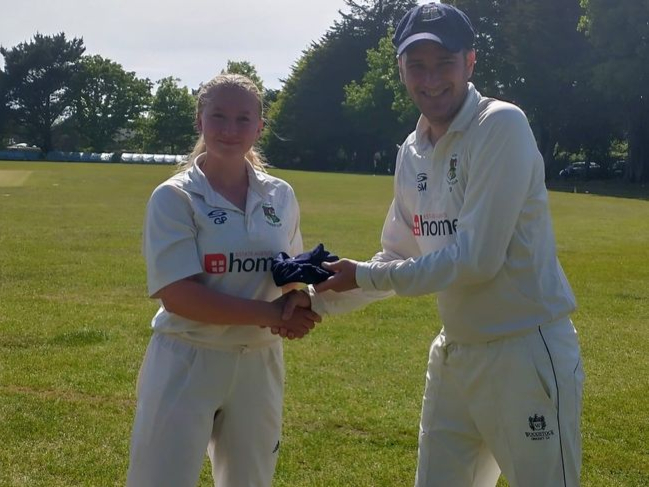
{"x": 577, "y": 67}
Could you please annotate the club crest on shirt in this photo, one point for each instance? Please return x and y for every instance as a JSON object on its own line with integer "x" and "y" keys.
{"x": 271, "y": 217}
{"x": 451, "y": 175}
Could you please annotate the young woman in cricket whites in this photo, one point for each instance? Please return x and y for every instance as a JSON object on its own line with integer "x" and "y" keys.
{"x": 212, "y": 377}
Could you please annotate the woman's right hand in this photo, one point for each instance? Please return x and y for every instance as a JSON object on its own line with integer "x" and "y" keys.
{"x": 295, "y": 316}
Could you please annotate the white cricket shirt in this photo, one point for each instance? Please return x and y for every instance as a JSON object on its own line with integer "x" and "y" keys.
{"x": 470, "y": 221}
{"x": 191, "y": 230}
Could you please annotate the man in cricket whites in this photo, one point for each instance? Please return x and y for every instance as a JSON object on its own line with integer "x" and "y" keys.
{"x": 470, "y": 222}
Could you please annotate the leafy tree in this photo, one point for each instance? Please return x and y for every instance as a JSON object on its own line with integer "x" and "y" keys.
{"x": 590, "y": 125}
{"x": 619, "y": 31}
{"x": 373, "y": 17}
{"x": 493, "y": 73}
{"x": 308, "y": 127}
{"x": 107, "y": 99}
{"x": 246, "y": 69}
{"x": 4, "y": 110}
{"x": 270, "y": 97}
{"x": 590, "y": 130}
{"x": 533, "y": 54}
{"x": 170, "y": 127}
{"x": 378, "y": 105}
{"x": 38, "y": 76}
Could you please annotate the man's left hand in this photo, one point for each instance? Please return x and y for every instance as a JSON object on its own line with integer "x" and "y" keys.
{"x": 344, "y": 278}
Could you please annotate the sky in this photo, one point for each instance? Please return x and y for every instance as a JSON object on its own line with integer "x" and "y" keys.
{"x": 188, "y": 39}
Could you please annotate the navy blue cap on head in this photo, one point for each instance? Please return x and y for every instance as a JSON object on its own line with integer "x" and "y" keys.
{"x": 438, "y": 22}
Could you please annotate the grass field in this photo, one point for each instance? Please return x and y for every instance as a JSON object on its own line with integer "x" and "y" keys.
{"x": 74, "y": 323}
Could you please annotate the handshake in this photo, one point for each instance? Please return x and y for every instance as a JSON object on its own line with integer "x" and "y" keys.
{"x": 292, "y": 316}
{"x": 318, "y": 267}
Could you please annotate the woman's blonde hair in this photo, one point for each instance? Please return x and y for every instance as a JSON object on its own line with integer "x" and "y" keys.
{"x": 204, "y": 95}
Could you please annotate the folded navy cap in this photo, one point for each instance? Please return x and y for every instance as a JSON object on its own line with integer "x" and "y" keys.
{"x": 305, "y": 268}
{"x": 438, "y": 22}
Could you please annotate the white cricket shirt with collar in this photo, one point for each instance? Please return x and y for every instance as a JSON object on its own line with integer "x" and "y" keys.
{"x": 191, "y": 230}
{"x": 470, "y": 221}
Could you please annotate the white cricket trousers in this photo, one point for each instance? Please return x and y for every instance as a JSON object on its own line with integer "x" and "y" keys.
{"x": 191, "y": 400}
{"x": 512, "y": 404}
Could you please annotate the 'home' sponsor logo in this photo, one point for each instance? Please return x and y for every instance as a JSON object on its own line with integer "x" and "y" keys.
{"x": 221, "y": 263}
{"x": 430, "y": 227}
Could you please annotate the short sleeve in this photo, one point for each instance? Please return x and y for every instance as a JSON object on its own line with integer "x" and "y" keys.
{"x": 169, "y": 240}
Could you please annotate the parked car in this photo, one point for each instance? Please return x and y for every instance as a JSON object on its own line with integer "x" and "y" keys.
{"x": 576, "y": 170}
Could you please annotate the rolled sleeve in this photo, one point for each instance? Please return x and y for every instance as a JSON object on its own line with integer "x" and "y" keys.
{"x": 333, "y": 303}
{"x": 363, "y": 276}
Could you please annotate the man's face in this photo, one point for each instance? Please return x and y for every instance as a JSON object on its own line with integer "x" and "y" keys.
{"x": 436, "y": 80}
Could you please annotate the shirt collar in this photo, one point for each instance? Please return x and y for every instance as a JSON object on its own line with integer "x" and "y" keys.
{"x": 257, "y": 182}
{"x": 460, "y": 123}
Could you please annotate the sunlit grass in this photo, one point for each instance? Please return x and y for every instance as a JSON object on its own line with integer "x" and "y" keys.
{"x": 74, "y": 322}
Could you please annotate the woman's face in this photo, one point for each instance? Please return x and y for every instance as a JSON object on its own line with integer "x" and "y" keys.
{"x": 230, "y": 122}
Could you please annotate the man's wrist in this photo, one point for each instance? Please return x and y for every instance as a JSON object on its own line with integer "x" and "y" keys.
{"x": 317, "y": 302}
{"x": 363, "y": 276}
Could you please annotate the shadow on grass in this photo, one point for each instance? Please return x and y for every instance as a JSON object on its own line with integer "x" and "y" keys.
{"x": 613, "y": 188}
